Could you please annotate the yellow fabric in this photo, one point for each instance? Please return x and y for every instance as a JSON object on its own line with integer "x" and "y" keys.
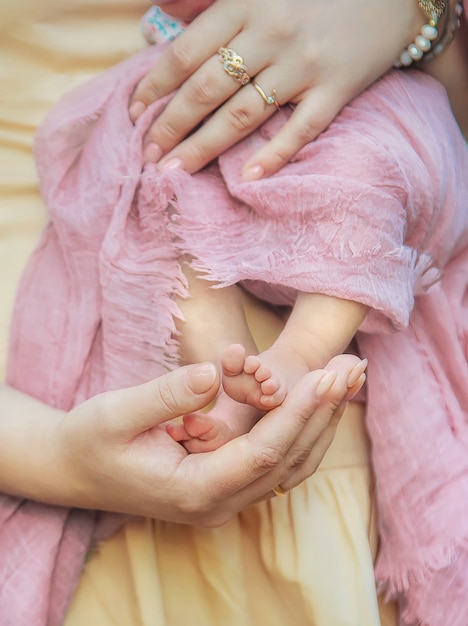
{"x": 303, "y": 559}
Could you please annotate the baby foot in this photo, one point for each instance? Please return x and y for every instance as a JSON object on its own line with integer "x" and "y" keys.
{"x": 204, "y": 432}
{"x": 200, "y": 432}
{"x": 248, "y": 380}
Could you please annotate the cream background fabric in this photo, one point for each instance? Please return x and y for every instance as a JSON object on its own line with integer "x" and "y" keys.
{"x": 305, "y": 559}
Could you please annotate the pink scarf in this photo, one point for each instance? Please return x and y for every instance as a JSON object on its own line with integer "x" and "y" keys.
{"x": 376, "y": 211}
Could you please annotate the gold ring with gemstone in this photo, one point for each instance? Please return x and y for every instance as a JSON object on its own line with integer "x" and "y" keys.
{"x": 234, "y": 66}
{"x": 279, "y": 491}
{"x": 267, "y": 99}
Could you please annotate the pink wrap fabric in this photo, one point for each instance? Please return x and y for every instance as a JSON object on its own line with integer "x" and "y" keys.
{"x": 375, "y": 211}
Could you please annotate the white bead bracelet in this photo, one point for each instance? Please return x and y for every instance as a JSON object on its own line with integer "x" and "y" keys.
{"x": 429, "y": 40}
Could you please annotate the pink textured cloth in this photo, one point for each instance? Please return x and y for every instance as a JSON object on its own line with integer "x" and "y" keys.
{"x": 375, "y": 211}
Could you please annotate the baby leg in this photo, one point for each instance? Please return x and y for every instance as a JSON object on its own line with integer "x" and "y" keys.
{"x": 212, "y": 319}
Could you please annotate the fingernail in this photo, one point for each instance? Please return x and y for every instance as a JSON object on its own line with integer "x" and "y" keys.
{"x": 201, "y": 377}
{"x": 152, "y": 153}
{"x": 356, "y": 372}
{"x": 255, "y": 172}
{"x": 325, "y": 383}
{"x": 136, "y": 109}
{"x": 356, "y": 388}
{"x": 171, "y": 164}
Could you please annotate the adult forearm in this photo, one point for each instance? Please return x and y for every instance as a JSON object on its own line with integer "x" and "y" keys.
{"x": 27, "y": 464}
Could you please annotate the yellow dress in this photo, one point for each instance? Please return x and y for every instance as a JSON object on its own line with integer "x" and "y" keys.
{"x": 303, "y": 559}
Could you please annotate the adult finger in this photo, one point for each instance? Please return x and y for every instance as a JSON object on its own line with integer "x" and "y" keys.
{"x": 311, "y": 116}
{"x": 263, "y": 456}
{"x": 314, "y": 442}
{"x": 238, "y": 117}
{"x": 246, "y": 469}
{"x": 128, "y": 412}
{"x": 313, "y": 459}
{"x": 186, "y": 54}
{"x": 307, "y": 451}
{"x": 198, "y": 96}
{"x": 266, "y": 446}
{"x": 331, "y": 413}
{"x": 243, "y": 107}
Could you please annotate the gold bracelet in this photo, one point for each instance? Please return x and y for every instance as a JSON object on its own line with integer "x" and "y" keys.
{"x": 431, "y": 39}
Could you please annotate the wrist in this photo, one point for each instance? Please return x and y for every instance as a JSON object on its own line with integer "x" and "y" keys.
{"x": 442, "y": 18}
{"x": 42, "y": 476}
{"x": 28, "y": 459}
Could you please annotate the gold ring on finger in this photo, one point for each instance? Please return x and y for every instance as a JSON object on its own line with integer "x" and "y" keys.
{"x": 234, "y": 66}
{"x": 267, "y": 99}
{"x": 279, "y": 491}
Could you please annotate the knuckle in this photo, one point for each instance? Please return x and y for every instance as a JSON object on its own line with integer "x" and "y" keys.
{"x": 304, "y": 413}
{"x": 306, "y": 133}
{"x": 296, "y": 458}
{"x": 197, "y": 153}
{"x": 204, "y": 89}
{"x": 166, "y": 398}
{"x": 164, "y": 132}
{"x": 309, "y": 467}
{"x": 278, "y": 157}
{"x": 149, "y": 90}
{"x": 337, "y": 412}
{"x": 189, "y": 507}
{"x": 305, "y": 471}
{"x": 179, "y": 56}
{"x": 334, "y": 405}
{"x": 241, "y": 119}
{"x": 284, "y": 28}
{"x": 309, "y": 54}
{"x": 268, "y": 458}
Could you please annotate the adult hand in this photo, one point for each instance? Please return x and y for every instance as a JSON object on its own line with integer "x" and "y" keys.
{"x": 316, "y": 53}
{"x": 112, "y": 453}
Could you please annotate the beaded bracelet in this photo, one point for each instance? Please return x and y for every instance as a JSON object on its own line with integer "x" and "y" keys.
{"x": 430, "y": 42}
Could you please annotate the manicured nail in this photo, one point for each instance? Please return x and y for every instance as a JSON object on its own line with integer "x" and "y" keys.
{"x": 356, "y": 388}
{"x": 171, "y": 164}
{"x": 356, "y": 372}
{"x": 255, "y": 172}
{"x": 136, "y": 109}
{"x": 152, "y": 153}
{"x": 325, "y": 383}
{"x": 201, "y": 377}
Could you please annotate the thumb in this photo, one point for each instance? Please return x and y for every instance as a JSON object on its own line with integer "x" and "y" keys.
{"x": 136, "y": 409}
